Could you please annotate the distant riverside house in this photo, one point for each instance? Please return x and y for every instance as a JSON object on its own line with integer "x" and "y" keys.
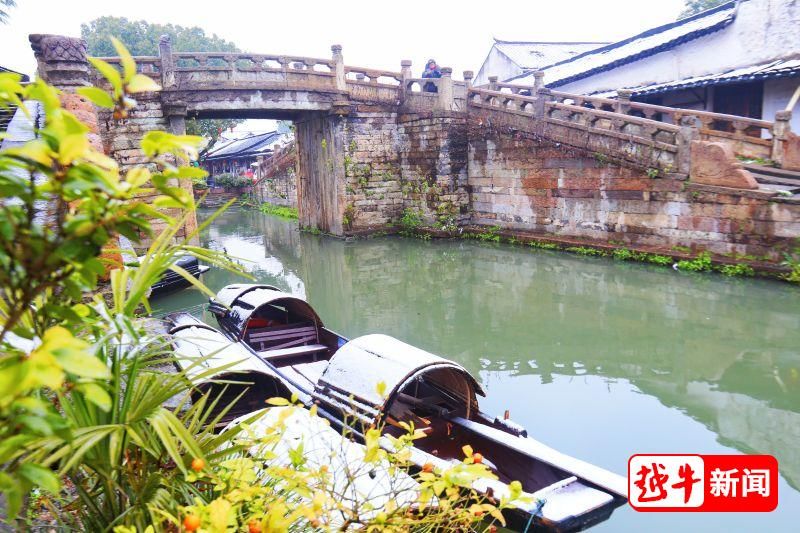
{"x": 238, "y": 157}
{"x": 740, "y": 58}
{"x": 6, "y": 114}
{"x": 508, "y": 59}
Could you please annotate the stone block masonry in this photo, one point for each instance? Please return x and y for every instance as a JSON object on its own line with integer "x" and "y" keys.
{"x": 394, "y": 162}
{"x": 537, "y": 186}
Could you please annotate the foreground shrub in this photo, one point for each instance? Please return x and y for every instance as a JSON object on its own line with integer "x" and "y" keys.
{"x": 84, "y": 380}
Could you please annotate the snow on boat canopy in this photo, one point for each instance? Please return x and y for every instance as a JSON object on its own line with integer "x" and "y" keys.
{"x": 285, "y": 334}
{"x": 245, "y": 307}
{"x": 223, "y": 368}
{"x": 350, "y": 380}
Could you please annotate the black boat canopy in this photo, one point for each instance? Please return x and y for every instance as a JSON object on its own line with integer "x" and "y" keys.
{"x": 357, "y": 367}
{"x": 234, "y": 305}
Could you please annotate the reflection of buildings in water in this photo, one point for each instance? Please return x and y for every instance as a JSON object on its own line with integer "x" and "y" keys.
{"x": 268, "y": 250}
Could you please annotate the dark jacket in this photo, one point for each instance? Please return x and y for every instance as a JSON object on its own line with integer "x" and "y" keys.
{"x": 431, "y": 73}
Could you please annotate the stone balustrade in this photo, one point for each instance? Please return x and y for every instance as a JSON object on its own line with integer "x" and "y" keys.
{"x": 748, "y": 137}
{"x": 373, "y": 77}
{"x": 650, "y": 135}
{"x": 144, "y": 64}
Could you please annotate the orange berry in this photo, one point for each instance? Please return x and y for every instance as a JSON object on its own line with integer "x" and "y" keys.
{"x": 198, "y": 464}
{"x": 191, "y": 522}
{"x": 254, "y": 526}
{"x": 427, "y": 467}
{"x": 478, "y": 513}
{"x": 493, "y": 529}
{"x": 477, "y": 458}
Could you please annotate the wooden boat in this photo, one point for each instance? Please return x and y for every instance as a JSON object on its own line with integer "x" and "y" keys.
{"x": 172, "y": 281}
{"x": 288, "y": 341}
{"x": 169, "y": 281}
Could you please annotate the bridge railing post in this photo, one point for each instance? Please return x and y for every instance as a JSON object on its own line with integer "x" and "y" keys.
{"x": 780, "y": 132}
{"x": 405, "y": 75}
{"x": 542, "y": 96}
{"x": 492, "y": 83}
{"x": 167, "y": 62}
{"x": 538, "y": 81}
{"x": 446, "y": 98}
{"x": 468, "y": 77}
{"x": 338, "y": 64}
{"x": 623, "y": 101}
{"x": 689, "y": 131}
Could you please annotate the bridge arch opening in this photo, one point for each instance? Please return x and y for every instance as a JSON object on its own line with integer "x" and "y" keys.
{"x": 316, "y": 159}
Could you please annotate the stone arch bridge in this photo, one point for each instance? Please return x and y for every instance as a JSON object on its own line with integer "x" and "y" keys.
{"x": 371, "y": 144}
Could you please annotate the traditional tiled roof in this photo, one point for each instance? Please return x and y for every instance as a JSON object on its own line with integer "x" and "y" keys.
{"x": 645, "y": 44}
{"x": 25, "y": 77}
{"x": 781, "y": 68}
{"x": 249, "y": 146}
{"x": 535, "y": 55}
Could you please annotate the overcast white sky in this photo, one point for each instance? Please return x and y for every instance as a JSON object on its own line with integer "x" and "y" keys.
{"x": 375, "y": 34}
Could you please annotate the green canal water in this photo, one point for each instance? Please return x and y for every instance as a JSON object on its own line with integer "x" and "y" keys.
{"x": 597, "y": 358}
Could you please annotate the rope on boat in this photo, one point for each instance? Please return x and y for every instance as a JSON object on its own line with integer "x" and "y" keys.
{"x": 534, "y": 513}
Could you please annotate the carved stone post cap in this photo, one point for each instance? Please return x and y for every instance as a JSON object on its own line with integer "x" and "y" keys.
{"x": 784, "y": 115}
{"x": 624, "y": 94}
{"x": 164, "y": 39}
{"x": 538, "y": 74}
{"x": 447, "y": 71}
{"x": 336, "y": 48}
{"x": 468, "y": 74}
{"x": 492, "y": 79}
{"x": 405, "y": 63}
{"x": 48, "y": 47}
{"x": 690, "y": 120}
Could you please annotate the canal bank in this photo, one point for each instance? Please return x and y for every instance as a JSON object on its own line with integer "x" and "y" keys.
{"x": 598, "y": 358}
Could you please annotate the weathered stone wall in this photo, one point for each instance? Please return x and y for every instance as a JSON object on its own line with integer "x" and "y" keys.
{"x": 122, "y": 138}
{"x": 395, "y": 162}
{"x": 538, "y": 186}
{"x": 433, "y": 162}
{"x": 372, "y": 170}
{"x": 277, "y": 179}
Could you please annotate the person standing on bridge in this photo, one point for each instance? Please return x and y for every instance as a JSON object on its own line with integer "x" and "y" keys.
{"x": 431, "y": 71}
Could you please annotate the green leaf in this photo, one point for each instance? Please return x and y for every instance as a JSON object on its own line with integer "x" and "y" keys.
{"x": 41, "y": 477}
{"x": 72, "y": 147}
{"x": 96, "y": 394}
{"x": 36, "y": 424}
{"x": 13, "y": 492}
{"x": 128, "y": 64}
{"x": 98, "y": 97}
{"x": 142, "y": 83}
{"x": 82, "y": 364}
{"x": 278, "y": 401}
{"x": 219, "y": 512}
{"x": 109, "y": 73}
{"x": 193, "y": 280}
{"x": 37, "y": 151}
